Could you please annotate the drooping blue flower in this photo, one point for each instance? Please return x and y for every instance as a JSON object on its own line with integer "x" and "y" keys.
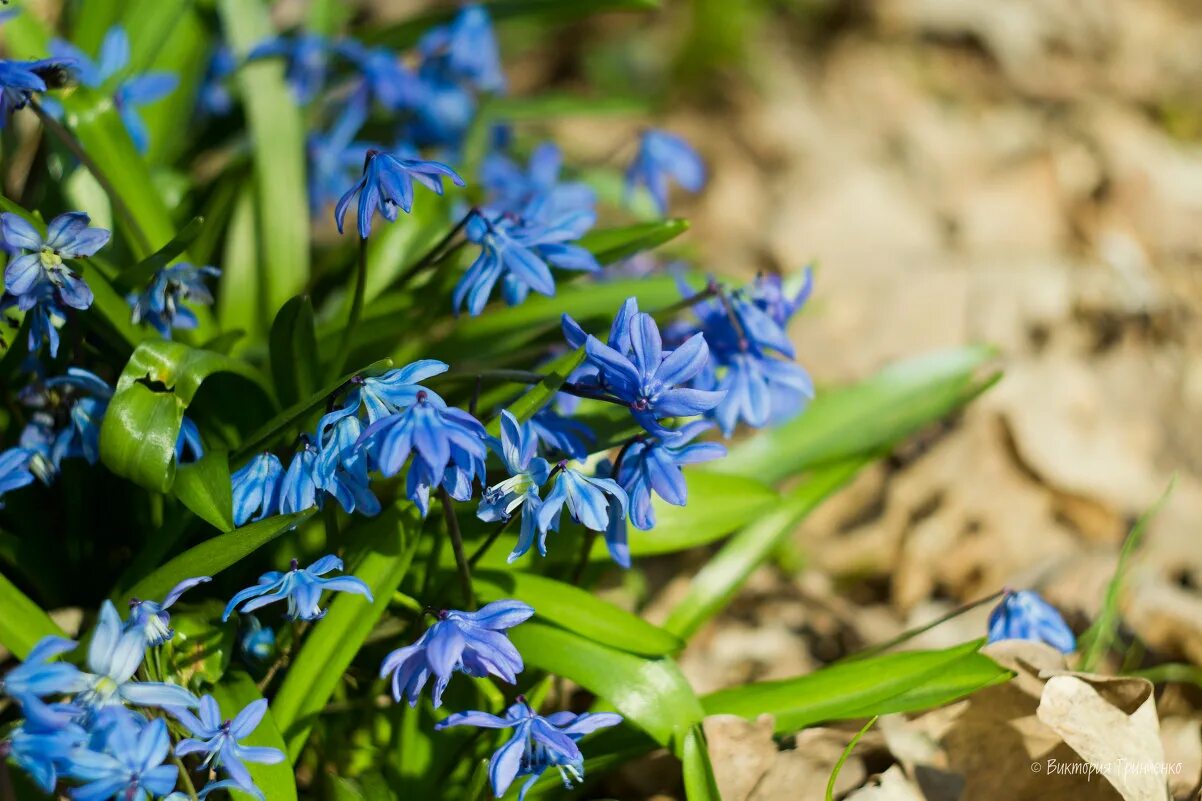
{"x": 300, "y": 586}
{"x": 387, "y": 185}
{"x": 590, "y": 502}
{"x": 188, "y": 445}
{"x": 14, "y": 470}
{"x": 661, "y": 156}
{"x": 38, "y": 676}
{"x": 473, "y": 643}
{"x": 161, "y": 303}
{"x": 214, "y": 96}
{"x": 151, "y": 617}
{"x": 45, "y": 318}
{"x": 307, "y": 56}
{"x": 66, "y": 423}
{"x": 218, "y": 738}
{"x": 335, "y": 158}
{"x": 256, "y": 640}
{"x": 131, "y": 766}
{"x": 299, "y": 489}
{"x": 653, "y": 464}
{"x": 20, "y": 79}
{"x": 394, "y": 390}
{"x": 113, "y": 657}
{"x": 650, "y": 380}
{"x": 342, "y": 468}
{"x": 386, "y": 79}
{"x": 538, "y": 743}
{"x": 67, "y": 237}
{"x": 1024, "y": 615}
{"x": 465, "y": 50}
{"x": 256, "y": 488}
{"x": 43, "y": 743}
{"x": 518, "y": 448}
{"x": 129, "y": 92}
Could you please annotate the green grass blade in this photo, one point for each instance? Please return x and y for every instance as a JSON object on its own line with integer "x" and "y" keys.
{"x": 830, "y": 783}
{"x": 23, "y": 622}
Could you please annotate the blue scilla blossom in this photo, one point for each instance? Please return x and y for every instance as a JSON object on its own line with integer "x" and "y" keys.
{"x": 538, "y": 743}
{"x": 387, "y": 185}
{"x": 335, "y": 158}
{"x": 256, "y": 641}
{"x": 129, "y": 92}
{"x": 256, "y": 488}
{"x": 652, "y": 464}
{"x": 465, "y": 469}
{"x": 445, "y": 112}
{"x": 1024, "y": 615}
{"x": 342, "y": 468}
{"x": 466, "y": 50}
{"x": 307, "y": 56}
{"x": 661, "y": 156}
{"x": 518, "y": 448}
{"x": 214, "y": 96}
{"x": 300, "y": 586}
{"x": 299, "y": 488}
{"x": 161, "y": 303}
{"x": 42, "y": 745}
{"x": 151, "y": 617}
{"x": 19, "y": 80}
{"x": 394, "y": 390}
{"x": 217, "y": 739}
{"x": 45, "y": 318}
{"x": 559, "y": 433}
{"x": 769, "y": 293}
{"x": 386, "y": 79}
{"x": 473, "y": 643}
{"x": 512, "y": 188}
{"x": 41, "y": 266}
{"x": 39, "y": 675}
{"x": 114, "y": 655}
{"x": 590, "y": 502}
{"x": 66, "y": 423}
{"x": 14, "y": 470}
{"x": 130, "y": 767}
{"x": 188, "y": 445}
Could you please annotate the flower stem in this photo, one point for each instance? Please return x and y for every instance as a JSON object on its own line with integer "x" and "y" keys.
{"x": 465, "y": 570}
{"x": 68, "y": 140}
{"x": 482, "y": 549}
{"x": 912, "y": 633}
{"x": 356, "y": 313}
{"x": 298, "y": 628}
{"x": 184, "y": 776}
{"x": 586, "y": 548}
{"x": 712, "y": 289}
{"x": 435, "y": 254}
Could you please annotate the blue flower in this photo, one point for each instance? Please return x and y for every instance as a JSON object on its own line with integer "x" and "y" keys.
{"x": 256, "y": 488}
{"x": 130, "y": 92}
{"x": 299, "y": 489}
{"x": 218, "y": 740}
{"x": 151, "y": 617}
{"x": 538, "y": 743}
{"x": 160, "y": 304}
{"x": 653, "y": 464}
{"x": 214, "y": 95}
{"x": 662, "y": 156}
{"x": 307, "y": 56}
{"x": 342, "y": 467}
{"x": 130, "y": 767}
{"x": 590, "y": 501}
{"x": 43, "y": 744}
{"x": 301, "y": 587}
{"x": 45, "y": 318}
{"x": 67, "y": 421}
{"x": 512, "y": 189}
{"x": 1023, "y": 615}
{"x": 20, "y": 79}
{"x": 335, "y": 158}
{"x": 395, "y": 390}
{"x": 14, "y": 470}
{"x": 473, "y": 643}
{"x": 387, "y": 185}
{"x": 386, "y": 79}
{"x": 518, "y": 448}
{"x": 768, "y": 293}
{"x": 114, "y": 655}
{"x": 38, "y": 676}
{"x": 256, "y": 640}
{"x": 649, "y": 380}
{"x": 188, "y": 445}
{"x": 466, "y": 50}
{"x": 67, "y": 237}
{"x": 562, "y": 434}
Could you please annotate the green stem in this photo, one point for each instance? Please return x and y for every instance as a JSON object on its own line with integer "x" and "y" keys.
{"x": 356, "y": 313}
{"x": 465, "y": 570}
{"x": 68, "y": 140}
{"x": 435, "y": 254}
{"x": 912, "y": 633}
{"x": 184, "y": 776}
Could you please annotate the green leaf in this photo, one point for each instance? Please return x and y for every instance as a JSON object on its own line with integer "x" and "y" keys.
{"x": 277, "y": 138}
{"x": 846, "y": 691}
{"x": 334, "y": 642}
{"x": 393, "y": 247}
{"x": 23, "y": 622}
{"x": 865, "y": 417}
{"x": 293, "y": 346}
{"x": 277, "y": 782}
{"x": 135, "y": 277}
{"x": 722, "y": 576}
{"x": 972, "y": 673}
{"x": 699, "y": 782}
{"x": 204, "y": 487}
{"x": 199, "y": 653}
{"x": 240, "y": 298}
{"x": 538, "y": 396}
{"x": 578, "y": 611}
{"x": 214, "y": 555}
{"x": 269, "y": 431}
{"x": 614, "y": 244}
{"x": 652, "y": 694}
{"x": 1096, "y": 641}
{"x": 142, "y": 423}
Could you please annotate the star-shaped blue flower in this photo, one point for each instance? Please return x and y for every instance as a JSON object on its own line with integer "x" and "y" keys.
{"x": 301, "y": 587}
{"x": 661, "y": 156}
{"x": 152, "y": 618}
{"x": 20, "y": 79}
{"x": 518, "y": 448}
{"x": 652, "y": 464}
{"x": 387, "y": 185}
{"x": 42, "y": 265}
{"x": 131, "y": 765}
{"x": 217, "y": 739}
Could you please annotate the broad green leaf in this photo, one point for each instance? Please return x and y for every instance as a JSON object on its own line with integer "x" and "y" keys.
{"x": 277, "y": 782}
{"x": 845, "y": 691}
{"x": 293, "y": 348}
{"x": 293, "y": 415}
{"x": 614, "y": 244}
{"x": 699, "y": 782}
{"x": 199, "y": 653}
{"x": 23, "y": 622}
{"x": 864, "y": 417}
{"x": 204, "y": 487}
{"x": 329, "y": 649}
{"x": 963, "y": 678}
{"x": 651, "y": 694}
{"x": 214, "y": 555}
{"x": 722, "y": 576}
{"x": 578, "y": 611}
{"x": 277, "y": 137}
{"x": 141, "y": 426}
